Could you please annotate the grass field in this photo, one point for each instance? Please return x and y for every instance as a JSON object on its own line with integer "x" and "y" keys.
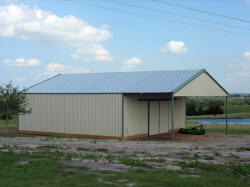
{"x": 13, "y": 123}
{"x": 43, "y": 168}
{"x": 232, "y": 109}
{"x": 221, "y": 128}
{"x": 220, "y": 116}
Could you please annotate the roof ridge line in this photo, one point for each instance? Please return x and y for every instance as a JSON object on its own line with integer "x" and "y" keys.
{"x": 129, "y": 72}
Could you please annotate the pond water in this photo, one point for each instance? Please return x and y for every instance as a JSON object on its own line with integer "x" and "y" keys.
{"x": 223, "y": 121}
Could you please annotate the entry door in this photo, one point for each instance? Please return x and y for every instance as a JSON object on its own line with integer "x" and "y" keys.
{"x": 158, "y": 117}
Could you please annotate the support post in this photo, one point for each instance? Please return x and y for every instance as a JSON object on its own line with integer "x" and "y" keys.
{"x": 148, "y": 118}
{"x": 226, "y": 116}
{"x": 185, "y": 112}
{"x": 18, "y": 122}
{"x": 122, "y": 115}
{"x": 172, "y": 108}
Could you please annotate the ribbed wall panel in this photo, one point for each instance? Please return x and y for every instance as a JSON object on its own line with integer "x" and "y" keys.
{"x": 179, "y": 113}
{"x": 135, "y": 116}
{"x": 90, "y": 114}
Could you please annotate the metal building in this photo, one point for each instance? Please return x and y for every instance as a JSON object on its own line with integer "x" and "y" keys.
{"x": 115, "y": 105}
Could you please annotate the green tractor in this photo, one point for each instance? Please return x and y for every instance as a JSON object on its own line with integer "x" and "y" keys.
{"x": 199, "y": 130}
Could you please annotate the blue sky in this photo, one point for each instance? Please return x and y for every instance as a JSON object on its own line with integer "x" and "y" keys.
{"x": 40, "y": 38}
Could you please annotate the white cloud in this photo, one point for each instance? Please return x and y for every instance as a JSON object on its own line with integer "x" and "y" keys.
{"x": 247, "y": 2}
{"x": 174, "y": 47}
{"x": 130, "y": 64}
{"x": 92, "y": 53}
{"x": 247, "y": 54}
{"x": 22, "y": 62}
{"x": 23, "y": 22}
{"x": 56, "y": 68}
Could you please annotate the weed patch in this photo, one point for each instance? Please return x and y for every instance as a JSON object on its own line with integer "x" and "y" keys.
{"x": 216, "y": 153}
{"x": 134, "y": 162}
{"x": 83, "y": 149}
{"x": 110, "y": 157}
{"x": 240, "y": 149}
{"x": 102, "y": 150}
{"x": 207, "y": 157}
{"x": 90, "y": 156}
{"x": 196, "y": 156}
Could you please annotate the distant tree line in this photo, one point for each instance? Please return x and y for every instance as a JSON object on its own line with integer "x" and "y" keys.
{"x": 204, "y": 107}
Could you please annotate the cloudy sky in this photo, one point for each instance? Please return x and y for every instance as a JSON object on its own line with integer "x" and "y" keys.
{"x": 41, "y": 38}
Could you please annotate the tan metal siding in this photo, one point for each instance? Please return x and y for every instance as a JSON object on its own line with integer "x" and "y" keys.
{"x": 90, "y": 114}
{"x": 202, "y": 85}
{"x": 179, "y": 113}
{"x": 135, "y": 116}
{"x": 164, "y": 116}
{"x": 154, "y": 123}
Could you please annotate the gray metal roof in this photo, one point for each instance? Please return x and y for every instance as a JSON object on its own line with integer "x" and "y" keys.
{"x": 117, "y": 82}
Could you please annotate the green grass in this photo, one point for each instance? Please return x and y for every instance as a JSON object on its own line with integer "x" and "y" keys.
{"x": 237, "y": 169}
{"x": 208, "y": 175}
{"x": 12, "y": 124}
{"x": 101, "y": 150}
{"x": 236, "y": 129}
{"x": 207, "y": 157}
{"x": 83, "y": 149}
{"x": 221, "y": 116}
{"x": 217, "y": 154}
{"x": 110, "y": 157}
{"x": 90, "y": 156}
{"x": 43, "y": 169}
{"x": 88, "y": 149}
{"x": 238, "y": 109}
{"x": 42, "y": 172}
{"x": 240, "y": 149}
{"x": 230, "y": 131}
{"x": 134, "y": 162}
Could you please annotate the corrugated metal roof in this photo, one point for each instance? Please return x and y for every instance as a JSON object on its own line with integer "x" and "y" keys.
{"x": 116, "y": 82}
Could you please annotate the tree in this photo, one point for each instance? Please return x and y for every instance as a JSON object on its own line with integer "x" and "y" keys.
{"x": 214, "y": 107}
{"x": 191, "y": 108}
{"x": 200, "y": 110}
{"x": 12, "y": 101}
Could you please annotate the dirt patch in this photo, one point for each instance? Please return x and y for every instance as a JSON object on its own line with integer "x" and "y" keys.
{"x": 117, "y": 155}
{"x": 25, "y": 161}
{"x": 9, "y": 131}
{"x": 186, "y": 137}
{"x": 188, "y": 176}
